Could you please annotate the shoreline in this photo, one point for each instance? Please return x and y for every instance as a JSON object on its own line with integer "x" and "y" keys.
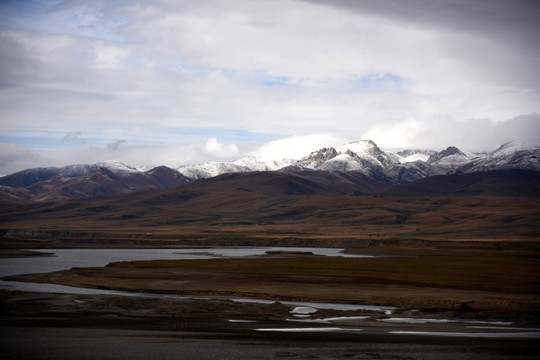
{"x": 425, "y": 325}
{"x": 69, "y": 326}
{"x": 302, "y": 277}
{"x": 19, "y": 253}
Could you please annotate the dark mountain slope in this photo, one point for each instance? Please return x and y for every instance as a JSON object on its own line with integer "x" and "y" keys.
{"x": 305, "y": 182}
{"x": 213, "y": 194}
{"x": 27, "y": 178}
{"x": 316, "y": 207}
{"x": 500, "y": 183}
{"x": 89, "y": 182}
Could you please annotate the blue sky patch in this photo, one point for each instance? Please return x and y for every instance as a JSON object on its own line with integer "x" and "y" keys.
{"x": 39, "y": 139}
{"x": 258, "y": 78}
{"x": 375, "y": 83}
{"x": 62, "y": 17}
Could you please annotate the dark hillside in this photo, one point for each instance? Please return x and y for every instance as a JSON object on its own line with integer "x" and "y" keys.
{"x": 306, "y": 208}
{"x": 499, "y": 183}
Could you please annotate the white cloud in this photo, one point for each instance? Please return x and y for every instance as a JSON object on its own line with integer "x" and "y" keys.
{"x": 108, "y": 56}
{"x": 215, "y": 149}
{"x": 437, "y": 134}
{"x": 296, "y": 147}
{"x": 128, "y": 70}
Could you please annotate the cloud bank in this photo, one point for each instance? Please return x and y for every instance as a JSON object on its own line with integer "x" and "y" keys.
{"x": 98, "y": 79}
{"x": 477, "y": 136}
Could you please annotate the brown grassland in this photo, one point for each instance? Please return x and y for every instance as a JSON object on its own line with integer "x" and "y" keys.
{"x": 326, "y": 221}
{"x": 446, "y": 240}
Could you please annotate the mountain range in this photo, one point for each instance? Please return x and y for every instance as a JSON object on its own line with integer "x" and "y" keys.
{"x": 360, "y": 159}
{"x": 352, "y": 195}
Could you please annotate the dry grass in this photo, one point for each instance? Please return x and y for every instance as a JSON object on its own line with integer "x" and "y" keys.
{"x": 510, "y": 273}
{"x": 504, "y": 282}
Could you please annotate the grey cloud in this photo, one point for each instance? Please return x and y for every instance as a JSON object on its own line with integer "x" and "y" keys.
{"x": 516, "y": 19}
{"x": 16, "y": 157}
{"x": 500, "y": 36}
{"x": 470, "y": 135}
{"x": 458, "y": 59}
{"x": 74, "y": 137}
{"x": 114, "y": 145}
{"x": 526, "y": 127}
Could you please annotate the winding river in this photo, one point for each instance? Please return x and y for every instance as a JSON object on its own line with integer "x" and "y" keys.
{"x": 63, "y": 259}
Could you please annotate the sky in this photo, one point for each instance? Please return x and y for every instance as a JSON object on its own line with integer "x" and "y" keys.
{"x": 172, "y": 82}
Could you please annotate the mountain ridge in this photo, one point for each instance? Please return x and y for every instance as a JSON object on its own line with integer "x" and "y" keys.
{"x": 363, "y": 156}
{"x": 291, "y": 208}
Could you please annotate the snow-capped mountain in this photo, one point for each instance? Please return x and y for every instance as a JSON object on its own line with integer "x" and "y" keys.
{"x": 367, "y": 152}
{"x": 413, "y": 170}
{"x": 245, "y": 164}
{"x": 73, "y": 171}
{"x": 210, "y": 169}
{"x": 29, "y": 177}
{"x": 412, "y": 155}
{"x": 254, "y": 163}
{"x": 512, "y": 155}
{"x": 317, "y": 158}
{"x": 364, "y": 156}
{"x": 451, "y": 158}
{"x": 83, "y": 180}
{"x": 361, "y": 157}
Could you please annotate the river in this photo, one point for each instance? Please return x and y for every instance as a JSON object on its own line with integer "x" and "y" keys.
{"x": 63, "y": 259}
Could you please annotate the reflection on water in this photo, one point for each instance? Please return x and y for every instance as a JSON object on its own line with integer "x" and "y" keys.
{"x": 306, "y": 329}
{"x": 64, "y": 259}
{"x": 505, "y": 335}
{"x": 69, "y": 258}
{"x": 55, "y": 289}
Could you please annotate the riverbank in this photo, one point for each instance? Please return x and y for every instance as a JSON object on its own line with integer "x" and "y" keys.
{"x": 68, "y": 326}
{"x": 502, "y": 283}
{"x": 17, "y": 253}
{"x": 465, "y": 304}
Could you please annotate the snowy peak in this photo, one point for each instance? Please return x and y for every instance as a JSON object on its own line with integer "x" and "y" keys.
{"x": 512, "y": 155}
{"x": 512, "y": 147}
{"x": 74, "y": 171}
{"x": 451, "y": 157}
{"x": 363, "y": 155}
{"x": 360, "y": 146}
{"x": 409, "y": 165}
{"x": 317, "y": 158}
{"x": 367, "y": 150}
{"x": 117, "y": 167}
{"x": 343, "y": 163}
{"x": 245, "y": 164}
{"x": 412, "y": 155}
{"x": 450, "y": 151}
{"x": 254, "y": 163}
{"x": 210, "y": 169}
